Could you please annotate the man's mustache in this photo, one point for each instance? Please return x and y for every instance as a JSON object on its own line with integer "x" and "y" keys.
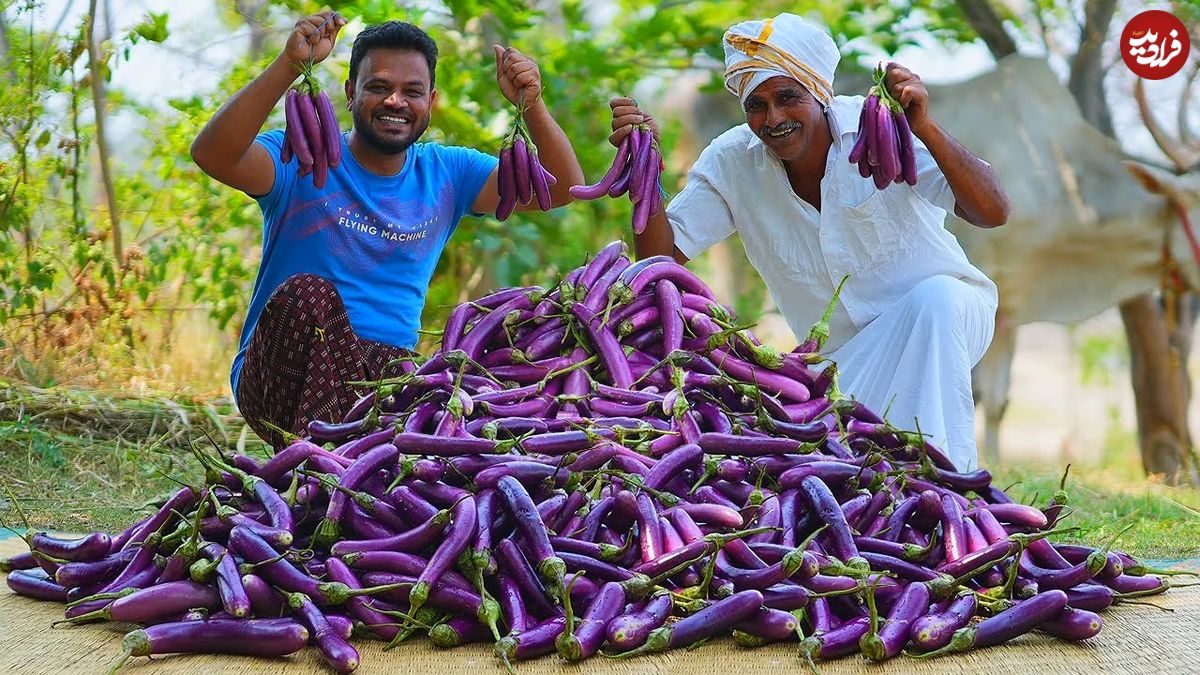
{"x": 782, "y": 127}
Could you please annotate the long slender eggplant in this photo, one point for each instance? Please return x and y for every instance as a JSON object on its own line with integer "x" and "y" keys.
{"x": 601, "y": 187}
{"x": 256, "y": 638}
{"x": 1008, "y": 624}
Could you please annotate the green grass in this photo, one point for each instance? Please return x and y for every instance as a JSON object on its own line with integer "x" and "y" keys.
{"x": 1105, "y": 499}
{"x": 81, "y": 460}
{"x": 69, "y": 481}
{"x": 73, "y": 485}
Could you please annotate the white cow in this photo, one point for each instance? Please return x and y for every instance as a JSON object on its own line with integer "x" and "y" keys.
{"x": 1082, "y": 235}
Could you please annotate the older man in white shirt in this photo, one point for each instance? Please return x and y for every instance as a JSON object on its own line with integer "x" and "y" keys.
{"x": 915, "y": 315}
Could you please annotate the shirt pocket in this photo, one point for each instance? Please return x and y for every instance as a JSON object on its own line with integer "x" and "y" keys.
{"x": 877, "y": 230}
{"x": 780, "y": 251}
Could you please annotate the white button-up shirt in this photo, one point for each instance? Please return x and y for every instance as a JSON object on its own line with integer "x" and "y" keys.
{"x": 886, "y": 240}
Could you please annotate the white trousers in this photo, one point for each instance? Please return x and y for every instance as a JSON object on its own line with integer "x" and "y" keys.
{"x": 914, "y": 361}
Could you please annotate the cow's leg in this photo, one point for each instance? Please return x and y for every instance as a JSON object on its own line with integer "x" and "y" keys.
{"x": 990, "y": 380}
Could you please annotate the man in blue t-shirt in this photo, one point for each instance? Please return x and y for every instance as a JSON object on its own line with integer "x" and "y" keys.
{"x": 345, "y": 267}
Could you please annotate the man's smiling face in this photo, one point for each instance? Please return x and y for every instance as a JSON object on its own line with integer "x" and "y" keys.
{"x": 391, "y": 99}
{"x": 785, "y": 116}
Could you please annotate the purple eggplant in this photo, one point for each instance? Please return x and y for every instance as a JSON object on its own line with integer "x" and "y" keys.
{"x": 270, "y": 565}
{"x": 156, "y": 602}
{"x": 888, "y": 150}
{"x": 396, "y": 587}
{"x": 611, "y": 355}
{"x": 601, "y": 187}
{"x": 411, "y": 540}
{"x": 907, "y": 149}
{"x": 1137, "y": 586}
{"x": 1073, "y": 624}
{"x": 767, "y": 626}
{"x": 512, "y": 604}
{"x": 630, "y": 631}
{"x": 457, "y": 631}
{"x": 1018, "y": 514}
{"x": 1008, "y": 624}
{"x": 708, "y": 622}
{"x": 1114, "y": 567}
{"x": 364, "y": 466}
{"x": 836, "y": 642}
{"x": 460, "y": 532}
{"x": 20, "y": 561}
{"x": 507, "y": 183}
{"x": 255, "y": 638}
{"x": 89, "y": 547}
{"x": 513, "y": 562}
{"x": 953, "y": 534}
{"x": 749, "y": 446}
{"x": 524, "y": 182}
{"x": 934, "y": 631}
{"x": 399, "y": 562}
{"x": 589, "y": 634}
{"x": 832, "y": 473}
{"x": 234, "y": 598}
{"x": 36, "y": 584}
{"x": 821, "y": 500}
{"x": 265, "y": 601}
{"x": 337, "y": 652}
{"x": 75, "y": 574}
{"x": 535, "y": 641}
{"x": 518, "y": 503}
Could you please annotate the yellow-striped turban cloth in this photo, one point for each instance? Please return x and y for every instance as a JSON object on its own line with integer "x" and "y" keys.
{"x": 787, "y": 45}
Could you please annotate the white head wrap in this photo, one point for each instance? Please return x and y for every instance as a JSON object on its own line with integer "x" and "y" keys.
{"x": 787, "y": 45}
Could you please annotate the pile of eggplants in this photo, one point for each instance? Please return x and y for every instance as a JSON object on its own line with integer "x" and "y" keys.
{"x": 611, "y": 466}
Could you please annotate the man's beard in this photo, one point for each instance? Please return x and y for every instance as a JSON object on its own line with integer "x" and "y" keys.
{"x": 362, "y": 127}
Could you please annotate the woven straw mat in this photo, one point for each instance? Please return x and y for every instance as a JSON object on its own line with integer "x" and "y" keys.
{"x": 1135, "y": 639}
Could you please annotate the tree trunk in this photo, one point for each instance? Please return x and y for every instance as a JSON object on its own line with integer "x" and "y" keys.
{"x": 9, "y": 73}
{"x": 252, "y": 12}
{"x": 990, "y": 377}
{"x": 1087, "y": 68}
{"x": 98, "y": 99}
{"x": 990, "y": 380}
{"x": 102, "y": 149}
{"x": 1160, "y": 383}
{"x": 1182, "y": 325}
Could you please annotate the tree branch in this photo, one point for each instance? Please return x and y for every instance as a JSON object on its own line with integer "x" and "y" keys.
{"x": 1184, "y": 158}
{"x": 1185, "y": 127}
{"x": 986, "y": 22}
{"x": 77, "y": 225}
{"x": 1087, "y": 68}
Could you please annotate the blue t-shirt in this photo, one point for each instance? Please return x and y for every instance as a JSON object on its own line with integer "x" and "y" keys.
{"x": 377, "y": 238}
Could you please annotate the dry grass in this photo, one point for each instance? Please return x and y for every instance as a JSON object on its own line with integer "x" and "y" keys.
{"x": 120, "y": 417}
{"x": 80, "y": 459}
{"x": 183, "y": 353}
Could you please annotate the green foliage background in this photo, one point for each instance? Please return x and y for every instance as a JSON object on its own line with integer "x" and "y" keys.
{"x": 70, "y": 306}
